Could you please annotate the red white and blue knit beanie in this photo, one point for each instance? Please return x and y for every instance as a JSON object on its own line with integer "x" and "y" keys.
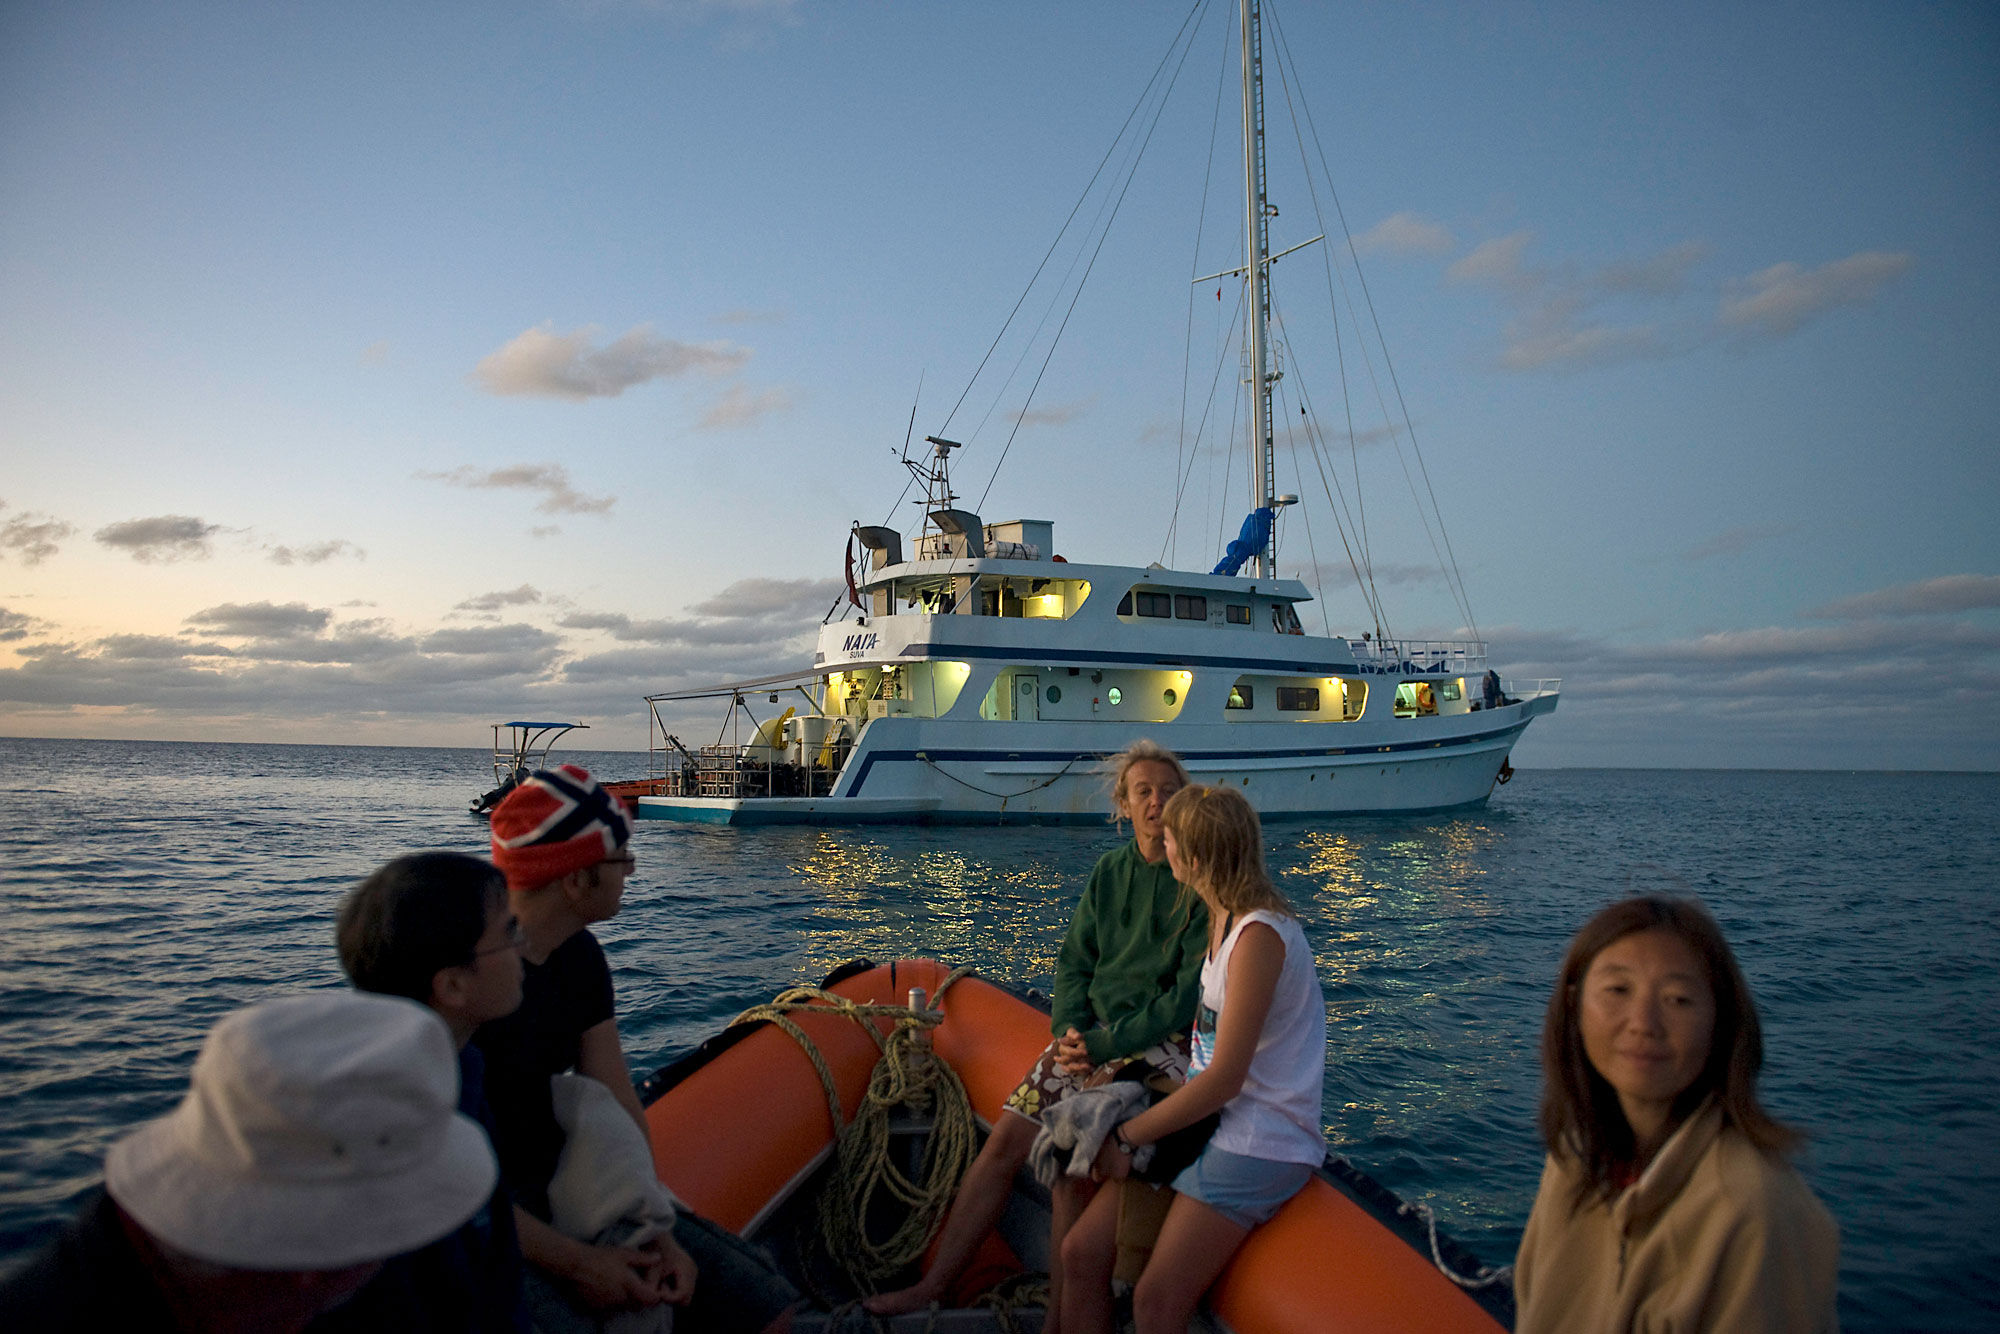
{"x": 557, "y": 821}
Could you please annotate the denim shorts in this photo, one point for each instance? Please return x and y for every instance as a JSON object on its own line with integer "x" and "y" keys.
{"x": 1246, "y": 1191}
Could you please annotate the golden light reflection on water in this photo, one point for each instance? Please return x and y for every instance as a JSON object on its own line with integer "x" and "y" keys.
{"x": 1003, "y": 911}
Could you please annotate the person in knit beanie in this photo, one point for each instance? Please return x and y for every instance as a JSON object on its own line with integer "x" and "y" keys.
{"x": 563, "y": 844}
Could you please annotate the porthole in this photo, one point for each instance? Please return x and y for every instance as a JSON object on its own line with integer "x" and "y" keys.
{"x": 1115, "y": 695}
{"x": 1169, "y": 696}
{"x": 1054, "y": 694}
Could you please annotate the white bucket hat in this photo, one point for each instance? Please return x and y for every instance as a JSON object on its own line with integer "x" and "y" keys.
{"x": 318, "y": 1132}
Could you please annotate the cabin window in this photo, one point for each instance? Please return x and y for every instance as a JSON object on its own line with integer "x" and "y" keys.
{"x": 1115, "y": 695}
{"x": 1298, "y": 699}
{"x": 1236, "y": 613}
{"x": 1353, "y": 698}
{"x": 1157, "y": 605}
{"x": 1241, "y": 696}
{"x": 1414, "y": 699}
{"x": 1188, "y": 607}
{"x": 1449, "y": 690}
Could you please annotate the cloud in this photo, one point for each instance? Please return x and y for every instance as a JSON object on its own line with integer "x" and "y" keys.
{"x": 766, "y": 599}
{"x": 545, "y": 530}
{"x": 1778, "y": 696}
{"x": 540, "y": 362}
{"x": 376, "y": 353}
{"x": 1406, "y": 234}
{"x": 15, "y": 625}
{"x": 551, "y": 479}
{"x": 1568, "y": 316}
{"x": 501, "y": 639}
{"x": 162, "y": 540}
{"x": 738, "y": 406}
{"x": 1559, "y": 324}
{"x": 750, "y": 627}
{"x": 159, "y": 648}
{"x": 34, "y": 537}
{"x": 1054, "y": 414}
{"x": 513, "y": 597}
{"x": 1736, "y": 541}
{"x": 1780, "y": 300}
{"x": 260, "y": 620}
{"x": 1943, "y": 595}
{"x": 1499, "y": 263}
{"x": 1664, "y": 274}
{"x": 317, "y": 554}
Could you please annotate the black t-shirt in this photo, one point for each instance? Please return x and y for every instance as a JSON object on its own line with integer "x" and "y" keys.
{"x": 561, "y": 999}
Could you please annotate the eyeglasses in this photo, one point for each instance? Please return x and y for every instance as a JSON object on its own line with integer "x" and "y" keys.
{"x": 517, "y": 937}
{"x": 628, "y": 861}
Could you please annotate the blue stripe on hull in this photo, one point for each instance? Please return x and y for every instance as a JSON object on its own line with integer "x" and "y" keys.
{"x": 1066, "y": 756}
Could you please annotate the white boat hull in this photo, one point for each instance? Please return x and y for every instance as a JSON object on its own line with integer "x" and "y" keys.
{"x": 942, "y": 771}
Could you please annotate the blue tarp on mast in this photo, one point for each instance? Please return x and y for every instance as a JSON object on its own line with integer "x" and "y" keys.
{"x": 1256, "y": 533}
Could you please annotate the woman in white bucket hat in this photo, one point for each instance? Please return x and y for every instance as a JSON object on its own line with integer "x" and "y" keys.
{"x": 318, "y": 1137}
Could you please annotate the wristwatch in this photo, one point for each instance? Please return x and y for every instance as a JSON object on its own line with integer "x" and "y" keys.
{"x": 1125, "y": 1146}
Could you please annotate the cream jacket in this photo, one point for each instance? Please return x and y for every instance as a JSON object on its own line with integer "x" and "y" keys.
{"x": 1715, "y": 1236}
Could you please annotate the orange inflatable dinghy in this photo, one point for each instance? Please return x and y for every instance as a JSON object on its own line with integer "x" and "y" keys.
{"x": 743, "y": 1131}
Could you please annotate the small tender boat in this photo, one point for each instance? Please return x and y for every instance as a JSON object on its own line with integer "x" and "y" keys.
{"x": 520, "y": 748}
{"x": 745, "y": 1130}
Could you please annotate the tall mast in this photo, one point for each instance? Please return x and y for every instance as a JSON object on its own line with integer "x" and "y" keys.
{"x": 1263, "y": 464}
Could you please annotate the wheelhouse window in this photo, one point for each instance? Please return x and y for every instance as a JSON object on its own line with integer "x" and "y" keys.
{"x": 1236, "y": 613}
{"x": 1298, "y": 699}
{"x": 1241, "y": 696}
{"x": 1189, "y": 607}
{"x": 1157, "y": 605}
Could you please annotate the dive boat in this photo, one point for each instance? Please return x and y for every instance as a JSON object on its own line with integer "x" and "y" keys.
{"x": 793, "y": 1128}
{"x": 983, "y": 674}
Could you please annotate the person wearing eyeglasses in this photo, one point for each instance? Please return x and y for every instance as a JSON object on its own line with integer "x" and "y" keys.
{"x": 436, "y": 928}
{"x": 563, "y": 844}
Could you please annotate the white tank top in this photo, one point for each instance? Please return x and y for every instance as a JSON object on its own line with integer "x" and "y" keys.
{"x": 1276, "y": 1115}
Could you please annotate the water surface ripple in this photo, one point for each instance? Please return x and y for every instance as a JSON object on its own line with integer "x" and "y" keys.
{"x": 151, "y": 887}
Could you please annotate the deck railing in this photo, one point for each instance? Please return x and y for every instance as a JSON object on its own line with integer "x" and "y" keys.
{"x": 1439, "y": 657}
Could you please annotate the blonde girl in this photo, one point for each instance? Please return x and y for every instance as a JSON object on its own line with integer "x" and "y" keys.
{"x": 1259, "y": 1059}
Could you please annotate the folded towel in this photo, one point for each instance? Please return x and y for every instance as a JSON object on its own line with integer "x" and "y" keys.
{"x": 604, "y": 1190}
{"x": 1074, "y": 1130}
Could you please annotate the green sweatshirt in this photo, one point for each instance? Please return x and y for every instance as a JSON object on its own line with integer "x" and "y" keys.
{"x": 1129, "y": 972}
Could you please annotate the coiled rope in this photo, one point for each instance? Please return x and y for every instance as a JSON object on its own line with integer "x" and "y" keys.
{"x": 907, "y": 1076}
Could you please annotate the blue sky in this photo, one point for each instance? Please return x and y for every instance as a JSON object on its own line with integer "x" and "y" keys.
{"x": 369, "y": 374}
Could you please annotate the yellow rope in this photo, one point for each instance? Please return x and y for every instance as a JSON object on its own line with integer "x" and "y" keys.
{"x": 906, "y": 1075}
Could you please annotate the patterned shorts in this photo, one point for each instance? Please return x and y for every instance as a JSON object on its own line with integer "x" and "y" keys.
{"x": 1048, "y": 1083}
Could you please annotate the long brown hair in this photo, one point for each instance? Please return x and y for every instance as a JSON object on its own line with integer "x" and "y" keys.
{"x": 1581, "y": 1118}
{"x": 1217, "y": 829}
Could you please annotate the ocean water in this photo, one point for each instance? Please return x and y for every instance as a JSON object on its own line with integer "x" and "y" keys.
{"x": 148, "y": 888}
